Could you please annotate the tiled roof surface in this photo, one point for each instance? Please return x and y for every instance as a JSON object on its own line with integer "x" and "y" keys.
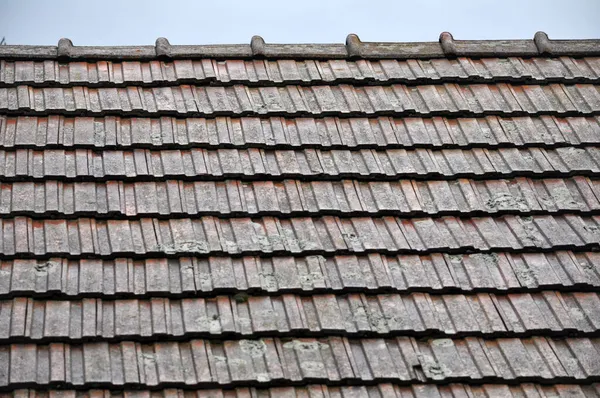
{"x": 259, "y": 221}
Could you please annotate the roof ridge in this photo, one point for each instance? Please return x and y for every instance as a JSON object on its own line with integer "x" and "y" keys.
{"x": 354, "y": 48}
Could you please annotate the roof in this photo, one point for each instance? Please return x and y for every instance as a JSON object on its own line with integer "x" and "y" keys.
{"x": 325, "y": 220}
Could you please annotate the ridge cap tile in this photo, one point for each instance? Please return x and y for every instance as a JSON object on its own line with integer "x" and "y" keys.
{"x": 354, "y": 47}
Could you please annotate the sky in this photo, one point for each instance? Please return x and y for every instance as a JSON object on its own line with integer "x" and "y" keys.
{"x": 133, "y": 22}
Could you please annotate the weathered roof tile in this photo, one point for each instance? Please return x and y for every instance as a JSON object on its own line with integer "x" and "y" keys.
{"x": 302, "y": 235}
{"x": 295, "y": 72}
{"x": 258, "y": 164}
{"x": 110, "y": 132}
{"x": 299, "y": 101}
{"x": 259, "y": 361}
{"x": 417, "y": 314}
{"x": 184, "y": 276}
{"x": 317, "y": 390}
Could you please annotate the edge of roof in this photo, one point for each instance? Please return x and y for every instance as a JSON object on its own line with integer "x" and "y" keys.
{"x": 354, "y": 48}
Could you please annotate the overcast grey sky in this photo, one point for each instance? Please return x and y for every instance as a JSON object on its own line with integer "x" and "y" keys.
{"x": 122, "y": 22}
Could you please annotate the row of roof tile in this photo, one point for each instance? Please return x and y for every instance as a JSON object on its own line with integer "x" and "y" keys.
{"x": 417, "y": 314}
{"x": 278, "y": 132}
{"x": 260, "y": 164}
{"x": 175, "y": 198}
{"x": 333, "y": 359}
{"x": 193, "y": 277}
{"x": 265, "y": 72}
{"x": 447, "y": 99}
{"x": 540, "y": 46}
{"x": 21, "y": 236}
{"x": 452, "y": 390}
